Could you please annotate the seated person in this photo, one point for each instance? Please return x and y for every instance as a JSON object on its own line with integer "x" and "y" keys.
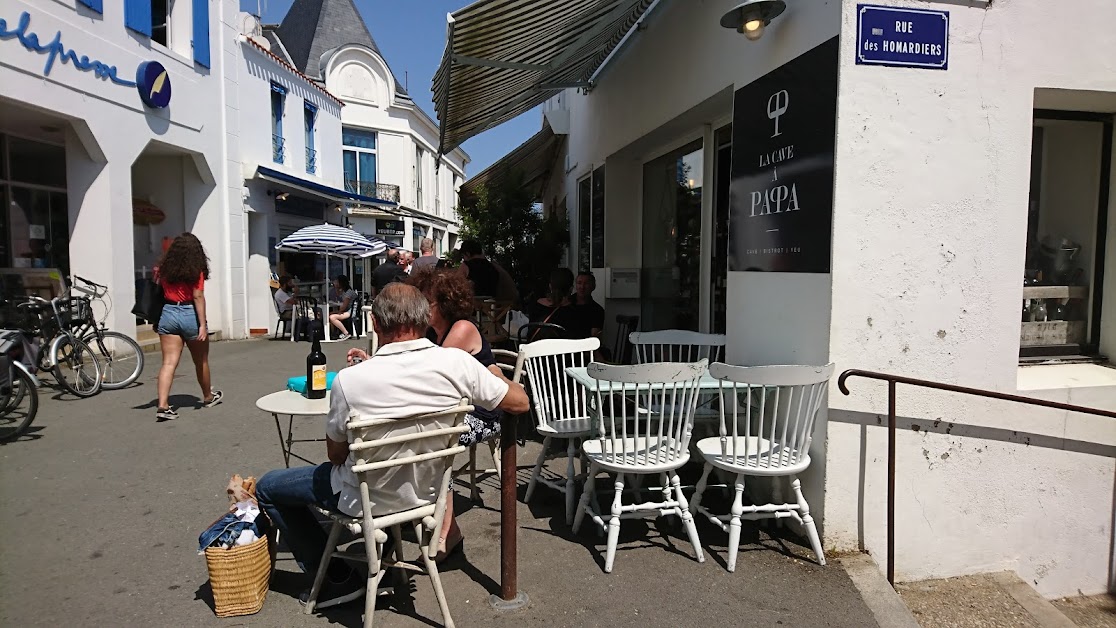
{"x": 374, "y": 390}
{"x": 346, "y": 295}
{"x": 586, "y": 317}
{"x": 285, "y": 298}
{"x": 554, "y": 308}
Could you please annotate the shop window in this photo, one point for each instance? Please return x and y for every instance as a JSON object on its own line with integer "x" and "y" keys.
{"x": 36, "y": 163}
{"x": 439, "y": 235}
{"x": 1067, "y": 214}
{"x": 359, "y": 158}
{"x": 418, "y": 177}
{"x": 418, "y": 232}
{"x": 584, "y": 202}
{"x": 278, "y": 96}
{"x": 310, "y": 116}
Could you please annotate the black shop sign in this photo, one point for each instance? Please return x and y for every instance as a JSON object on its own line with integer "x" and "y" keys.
{"x": 783, "y": 142}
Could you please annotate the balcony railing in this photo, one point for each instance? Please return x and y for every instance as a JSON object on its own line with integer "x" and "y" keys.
{"x": 277, "y": 148}
{"x": 311, "y": 160}
{"x": 381, "y": 191}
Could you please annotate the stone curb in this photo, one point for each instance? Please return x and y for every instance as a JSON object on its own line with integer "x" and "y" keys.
{"x": 1043, "y": 612}
{"x": 883, "y": 601}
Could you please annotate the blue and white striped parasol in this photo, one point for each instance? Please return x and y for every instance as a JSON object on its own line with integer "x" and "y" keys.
{"x": 330, "y": 239}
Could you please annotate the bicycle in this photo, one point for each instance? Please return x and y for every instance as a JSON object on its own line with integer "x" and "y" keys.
{"x": 70, "y": 359}
{"x": 19, "y": 388}
{"x": 121, "y": 356}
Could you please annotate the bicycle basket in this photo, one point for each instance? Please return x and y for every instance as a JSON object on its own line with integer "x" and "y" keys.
{"x": 74, "y": 311}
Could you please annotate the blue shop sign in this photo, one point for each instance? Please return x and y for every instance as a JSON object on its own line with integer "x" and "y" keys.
{"x": 899, "y": 37}
{"x": 152, "y": 79}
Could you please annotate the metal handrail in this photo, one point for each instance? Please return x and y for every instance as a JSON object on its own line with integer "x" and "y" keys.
{"x": 277, "y": 144}
{"x": 892, "y": 380}
{"x": 382, "y": 191}
{"x": 311, "y": 160}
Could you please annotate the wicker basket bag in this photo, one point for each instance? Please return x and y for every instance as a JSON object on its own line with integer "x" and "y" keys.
{"x": 239, "y": 577}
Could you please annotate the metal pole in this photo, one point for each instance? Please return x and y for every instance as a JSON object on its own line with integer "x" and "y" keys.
{"x": 510, "y": 597}
{"x": 891, "y": 483}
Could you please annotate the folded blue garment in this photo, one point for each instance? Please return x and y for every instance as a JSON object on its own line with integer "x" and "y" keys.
{"x": 298, "y": 384}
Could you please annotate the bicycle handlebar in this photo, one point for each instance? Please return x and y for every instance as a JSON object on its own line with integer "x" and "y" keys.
{"x": 92, "y": 283}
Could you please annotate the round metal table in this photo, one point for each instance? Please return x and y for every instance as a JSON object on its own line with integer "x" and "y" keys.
{"x": 292, "y": 404}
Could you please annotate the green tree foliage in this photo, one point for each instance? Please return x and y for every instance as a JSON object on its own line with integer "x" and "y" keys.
{"x": 504, "y": 218}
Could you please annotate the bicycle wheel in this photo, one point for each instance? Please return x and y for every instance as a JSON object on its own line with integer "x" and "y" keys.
{"x": 76, "y": 367}
{"x": 19, "y": 407}
{"x": 121, "y": 358}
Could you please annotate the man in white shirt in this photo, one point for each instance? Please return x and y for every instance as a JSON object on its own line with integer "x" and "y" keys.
{"x": 382, "y": 386}
{"x": 285, "y": 296}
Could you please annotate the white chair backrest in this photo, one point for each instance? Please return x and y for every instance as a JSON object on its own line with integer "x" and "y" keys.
{"x": 555, "y": 396}
{"x": 677, "y": 345}
{"x": 422, "y": 446}
{"x": 773, "y": 408}
{"x": 662, "y": 428}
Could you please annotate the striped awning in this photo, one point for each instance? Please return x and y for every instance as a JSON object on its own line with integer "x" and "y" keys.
{"x": 504, "y": 57}
{"x": 533, "y": 159}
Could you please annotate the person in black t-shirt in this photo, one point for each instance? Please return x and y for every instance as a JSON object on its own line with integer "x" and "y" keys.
{"x": 388, "y": 272}
{"x": 481, "y": 272}
{"x": 586, "y": 317}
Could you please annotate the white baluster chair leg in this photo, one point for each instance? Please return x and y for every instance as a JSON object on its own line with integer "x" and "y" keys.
{"x": 537, "y": 470}
{"x": 474, "y": 493}
{"x": 699, "y": 490}
{"x": 734, "y": 523}
{"x": 494, "y": 449}
{"x": 777, "y": 497}
{"x": 687, "y": 518}
{"x": 614, "y": 522}
{"x": 375, "y": 574}
{"x": 435, "y": 579}
{"x": 586, "y": 495}
{"x": 807, "y": 520}
{"x": 570, "y": 484}
{"x": 323, "y": 564}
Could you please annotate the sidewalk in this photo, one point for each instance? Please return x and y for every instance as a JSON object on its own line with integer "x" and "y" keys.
{"x": 102, "y": 506}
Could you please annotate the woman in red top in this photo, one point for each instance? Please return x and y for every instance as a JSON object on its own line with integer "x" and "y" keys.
{"x": 182, "y": 274}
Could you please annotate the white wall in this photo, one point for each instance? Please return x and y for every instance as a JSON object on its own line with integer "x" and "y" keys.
{"x": 928, "y": 251}
{"x": 110, "y": 128}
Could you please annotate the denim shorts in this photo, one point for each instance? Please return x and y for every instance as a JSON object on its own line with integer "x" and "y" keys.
{"x": 179, "y": 320}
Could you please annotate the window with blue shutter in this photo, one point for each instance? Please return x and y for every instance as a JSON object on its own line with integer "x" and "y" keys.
{"x": 137, "y": 16}
{"x": 201, "y": 32}
{"x": 95, "y": 5}
{"x": 278, "y": 95}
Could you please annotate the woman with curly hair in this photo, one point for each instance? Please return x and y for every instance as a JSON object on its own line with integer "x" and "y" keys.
{"x": 182, "y": 273}
{"x": 451, "y": 305}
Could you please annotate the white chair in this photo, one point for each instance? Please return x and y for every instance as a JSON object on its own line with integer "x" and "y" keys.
{"x": 677, "y": 345}
{"x": 561, "y": 405}
{"x": 642, "y": 442}
{"x": 493, "y": 443}
{"x": 768, "y": 433}
{"x": 422, "y": 446}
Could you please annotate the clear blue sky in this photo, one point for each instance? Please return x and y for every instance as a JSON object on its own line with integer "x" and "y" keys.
{"x": 412, "y": 35}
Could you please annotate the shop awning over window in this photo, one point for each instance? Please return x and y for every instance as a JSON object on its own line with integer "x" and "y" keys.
{"x": 323, "y": 192}
{"x": 504, "y": 57}
{"x": 534, "y": 158}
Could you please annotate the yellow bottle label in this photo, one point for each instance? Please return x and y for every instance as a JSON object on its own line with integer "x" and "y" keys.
{"x": 319, "y": 377}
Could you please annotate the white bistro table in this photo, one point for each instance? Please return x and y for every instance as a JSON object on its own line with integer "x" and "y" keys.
{"x": 292, "y": 404}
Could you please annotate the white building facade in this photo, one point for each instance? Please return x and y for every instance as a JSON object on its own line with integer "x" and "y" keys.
{"x": 111, "y": 136}
{"x": 389, "y": 144}
{"x": 913, "y": 203}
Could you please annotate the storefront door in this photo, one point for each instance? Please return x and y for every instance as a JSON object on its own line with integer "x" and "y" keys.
{"x": 34, "y": 218}
{"x": 672, "y": 189}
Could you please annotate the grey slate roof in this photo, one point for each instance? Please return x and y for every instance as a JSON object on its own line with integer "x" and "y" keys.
{"x": 313, "y": 28}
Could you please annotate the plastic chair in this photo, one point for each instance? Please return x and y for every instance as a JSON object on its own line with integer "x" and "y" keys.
{"x": 561, "y": 406}
{"x": 768, "y": 433}
{"x": 653, "y": 442}
{"x": 378, "y": 448}
{"x": 677, "y": 345}
{"x": 284, "y": 321}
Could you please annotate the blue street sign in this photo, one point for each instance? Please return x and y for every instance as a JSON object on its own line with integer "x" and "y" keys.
{"x": 911, "y": 38}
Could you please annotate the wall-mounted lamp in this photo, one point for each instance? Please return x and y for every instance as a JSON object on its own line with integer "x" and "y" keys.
{"x": 751, "y": 17}
{"x": 279, "y": 196}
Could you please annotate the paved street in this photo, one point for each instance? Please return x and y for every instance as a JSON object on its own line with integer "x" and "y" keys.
{"x": 102, "y": 506}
